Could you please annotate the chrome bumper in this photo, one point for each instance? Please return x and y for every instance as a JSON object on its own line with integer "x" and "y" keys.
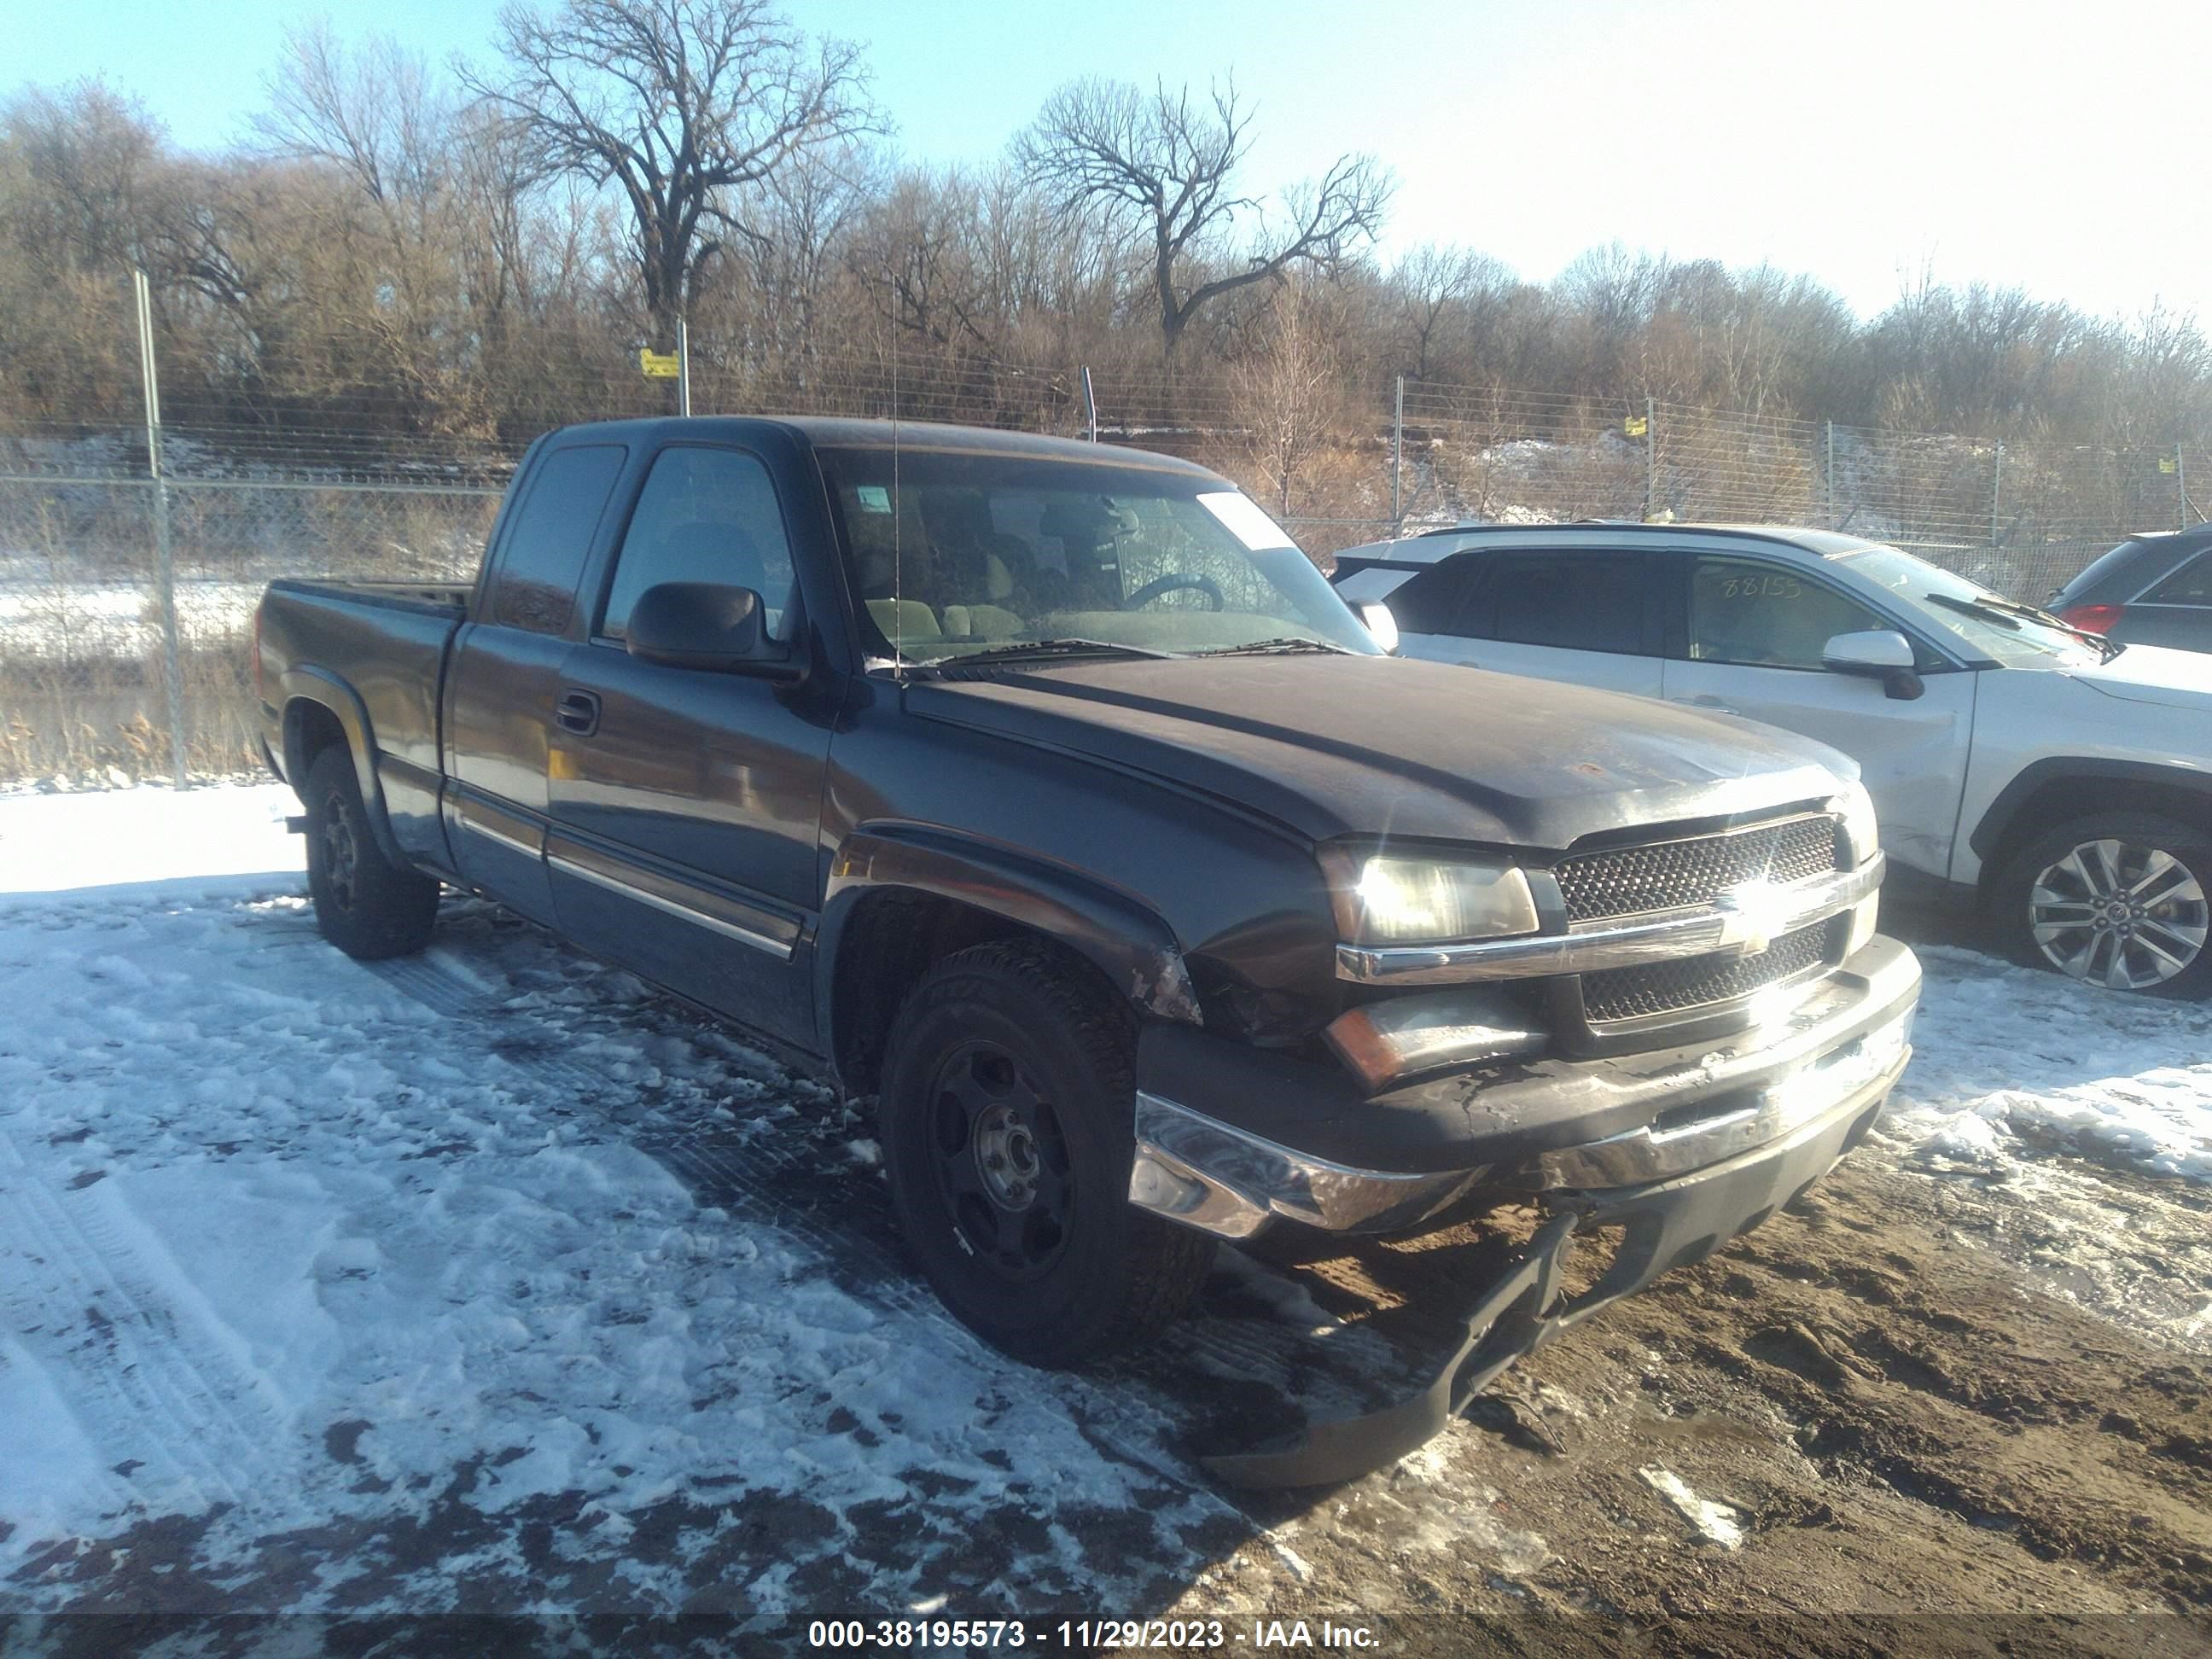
{"x": 1848, "y": 1041}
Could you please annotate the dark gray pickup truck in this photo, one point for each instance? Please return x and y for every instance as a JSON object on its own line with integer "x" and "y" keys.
{"x": 1047, "y": 793}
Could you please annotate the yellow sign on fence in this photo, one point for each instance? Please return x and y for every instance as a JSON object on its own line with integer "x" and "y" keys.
{"x": 2166, "y": 464}
{"x": 659, "y": 365}
{"x": 1634, "y": 426}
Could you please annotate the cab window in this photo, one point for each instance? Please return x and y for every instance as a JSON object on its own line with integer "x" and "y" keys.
{"x": 535, "y": 586}
{"x": 705, "y": 515}
{"x": 1745, "y": 611}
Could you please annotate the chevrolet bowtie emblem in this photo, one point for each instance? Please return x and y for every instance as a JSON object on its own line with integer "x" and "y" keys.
{"x": 1750, "y": 916}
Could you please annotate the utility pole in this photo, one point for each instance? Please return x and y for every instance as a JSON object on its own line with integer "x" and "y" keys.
{"x": 173, "y": 669}
{"x": 1996, "y": 491}
{"x": 1398, "y": 460}
{"x": 683, "y": 368}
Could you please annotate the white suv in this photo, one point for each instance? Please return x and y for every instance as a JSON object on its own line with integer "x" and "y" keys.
{"x": 2060, "y": 781}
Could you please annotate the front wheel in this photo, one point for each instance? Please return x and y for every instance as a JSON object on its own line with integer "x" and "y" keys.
{"x": 1006, "y": 1119}
{"x": 2118, "y": 899}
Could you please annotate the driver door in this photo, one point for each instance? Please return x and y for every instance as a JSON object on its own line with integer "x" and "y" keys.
{"x": 1748, "y": 642}
{"x": 684, "y": 841}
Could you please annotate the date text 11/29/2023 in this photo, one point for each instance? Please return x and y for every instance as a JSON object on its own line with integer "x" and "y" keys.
{"x": 1088, "y": 1634}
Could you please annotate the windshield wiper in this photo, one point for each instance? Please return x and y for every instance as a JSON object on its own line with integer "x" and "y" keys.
{"x": 2005, "y": 612}
{"x": 1024, "y": 650}
{"x": 1283, "y": 645}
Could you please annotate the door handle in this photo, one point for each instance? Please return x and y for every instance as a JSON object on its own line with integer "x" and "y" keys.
{"x": 1713, "y": 704}
{"x": 578, "y": 711}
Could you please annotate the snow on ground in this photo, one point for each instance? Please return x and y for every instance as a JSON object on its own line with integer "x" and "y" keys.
{"x": 270, "y": 1239}
{"x": 2008, "y": 1055}
{"x": 284, "y": 1243}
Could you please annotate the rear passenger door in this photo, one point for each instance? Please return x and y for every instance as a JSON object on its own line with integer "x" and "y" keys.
{"x": 686, "y": 802}
{"x": 1578, "y": 615}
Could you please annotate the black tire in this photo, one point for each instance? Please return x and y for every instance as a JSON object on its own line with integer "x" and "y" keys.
{"x": 2137, "y": 914}
{"x": 1008, "y": 1051}
{"x": 365, "y": 904}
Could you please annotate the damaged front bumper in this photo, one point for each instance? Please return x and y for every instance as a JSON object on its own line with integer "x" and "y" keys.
{"x": 1681, "y": 1151}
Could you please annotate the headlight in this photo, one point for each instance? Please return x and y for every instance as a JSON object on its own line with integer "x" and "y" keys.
{"x": 1856, "y": 807}
{"x": 1390, "y": 898}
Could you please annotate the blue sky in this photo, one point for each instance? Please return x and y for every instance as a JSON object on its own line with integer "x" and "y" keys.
{"x": 2062, "y": 147}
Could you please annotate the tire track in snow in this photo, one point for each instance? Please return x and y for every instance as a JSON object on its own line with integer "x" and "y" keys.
{"x": 148, "y": 1376}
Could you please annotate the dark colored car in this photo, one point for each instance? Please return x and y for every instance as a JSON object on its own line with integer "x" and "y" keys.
{"x": 2149, "y": 590}
{"x": 1046, "y": 792}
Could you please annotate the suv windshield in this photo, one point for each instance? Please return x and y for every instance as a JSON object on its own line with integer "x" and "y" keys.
{"x": 957, "y": 555}
{"x": 1947, "y": 603}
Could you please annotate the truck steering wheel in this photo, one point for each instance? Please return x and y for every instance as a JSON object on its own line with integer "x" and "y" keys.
{"x": 1173, "y": 583}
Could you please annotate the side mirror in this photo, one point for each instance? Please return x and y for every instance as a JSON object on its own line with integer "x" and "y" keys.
{"x": 1381, "y": 623}
{"x": 705, "y": 625}
{"x": 1878, "y": 653}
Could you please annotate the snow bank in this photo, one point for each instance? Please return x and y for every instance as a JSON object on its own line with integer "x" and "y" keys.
{"x": 2010, "y": 1059}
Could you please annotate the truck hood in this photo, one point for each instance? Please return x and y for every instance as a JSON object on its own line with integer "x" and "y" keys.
{"x": 2151, "y": 673}
{"x": 1335, "y": 745}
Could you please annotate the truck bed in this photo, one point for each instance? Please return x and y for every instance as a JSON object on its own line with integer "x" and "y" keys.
{"x": 385, "y": 643}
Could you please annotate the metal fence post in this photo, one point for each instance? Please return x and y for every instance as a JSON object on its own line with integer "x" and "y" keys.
{"x": 1651, "y": 458}
{"x": 1090, "y": 406}
{"x": 683, "y": 368}
{"x": 1997, "y": 490}
{"x": 2180, "y": 488}
{"x": 173, "y": 669}
{"x": 1828, "y": 477}
{"x": 1398, "y": 458}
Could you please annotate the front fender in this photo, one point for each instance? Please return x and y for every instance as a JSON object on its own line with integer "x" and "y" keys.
{"x": 1134, "y": 947}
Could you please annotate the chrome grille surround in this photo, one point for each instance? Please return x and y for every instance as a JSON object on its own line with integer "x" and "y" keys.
{"x": 1695, "y": 870}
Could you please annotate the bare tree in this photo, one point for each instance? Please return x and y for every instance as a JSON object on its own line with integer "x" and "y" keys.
{"x": 679, "y": 103}
{"x": 1167, "y": 164}
{"x": 1291, "y": 392}
{"x": 1430, "y": 286}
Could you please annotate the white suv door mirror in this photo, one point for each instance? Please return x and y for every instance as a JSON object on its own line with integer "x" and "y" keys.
{"x": 1878, "y": 654}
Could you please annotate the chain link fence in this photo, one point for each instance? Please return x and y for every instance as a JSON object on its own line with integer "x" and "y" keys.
{"x": 83, "y": 642}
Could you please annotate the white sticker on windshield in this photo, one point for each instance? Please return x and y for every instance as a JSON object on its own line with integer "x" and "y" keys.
{"x": 874, "y": 498}
{"x": 1242, "y": 516}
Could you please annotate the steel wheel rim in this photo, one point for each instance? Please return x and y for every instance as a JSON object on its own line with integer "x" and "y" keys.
{"x": 2118, "y": 913}
{"x": 1000, "y": 1161}
{"x": 341, "y": 852}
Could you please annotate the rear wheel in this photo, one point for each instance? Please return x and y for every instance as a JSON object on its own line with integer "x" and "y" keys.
{"x": 2119, "y": 899}
{"x": 365, "y": 904}
{"x": 1006, "y": 1116}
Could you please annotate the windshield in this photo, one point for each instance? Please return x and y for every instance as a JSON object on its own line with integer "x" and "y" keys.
{"x": 957, "y": 555}
{"x": 2015, "y": 642}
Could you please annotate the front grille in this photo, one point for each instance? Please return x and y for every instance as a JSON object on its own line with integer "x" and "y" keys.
{"x": 1670, "y": 874}
{"x": 1665, "y": 987}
